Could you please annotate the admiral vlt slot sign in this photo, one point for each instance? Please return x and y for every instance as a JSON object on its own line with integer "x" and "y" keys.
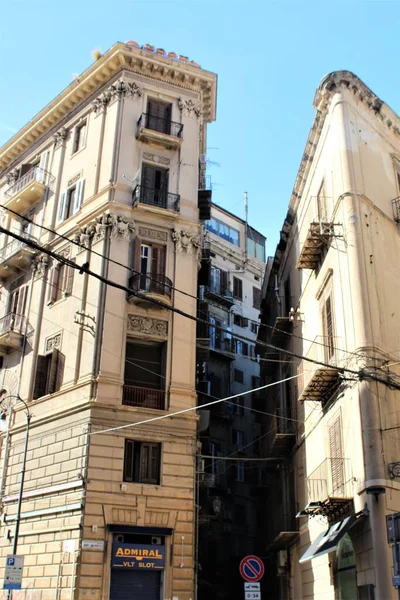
{"x": 138, "y": 556}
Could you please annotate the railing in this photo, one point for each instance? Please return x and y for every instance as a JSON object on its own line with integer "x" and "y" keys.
{"x": 160, "y": 124}
{"x": 12, "y": 322}
{"x": 332, "y": 478}
{"x": 396, "y": 209}
{"x": 35, "y": 174}
{"x": 221, "y": 344}
{"x": 144, "y": 397}
{"x": 154, "y": 284}
{"x": 323, "y": 349}
{"x": 154, "y": 197}
{"x": 12, "y": 248}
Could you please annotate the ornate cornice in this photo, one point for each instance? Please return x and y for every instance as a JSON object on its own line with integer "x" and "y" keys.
{"x": 121, "y": 57}
{"x": 121, "y": 228}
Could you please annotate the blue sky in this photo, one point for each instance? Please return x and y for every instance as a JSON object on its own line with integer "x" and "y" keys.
{"x": 269, "y": 57}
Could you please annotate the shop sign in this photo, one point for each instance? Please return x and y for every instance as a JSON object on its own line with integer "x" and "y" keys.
{"x": 138, "y": 556}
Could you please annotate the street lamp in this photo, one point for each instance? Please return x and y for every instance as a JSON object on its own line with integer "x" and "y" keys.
{"x": 3, "y": 425}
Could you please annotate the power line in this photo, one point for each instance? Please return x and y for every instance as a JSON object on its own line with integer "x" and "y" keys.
{"x": 191, "y": 408}
{"x": 258, "y": 323}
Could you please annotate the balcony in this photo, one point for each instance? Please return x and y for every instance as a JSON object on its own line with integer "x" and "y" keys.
{"x": 14, "y": 256}
{"x": 283, "y": 541}
{"x": 281, "y": 437}
{"x": 319, "y": 383}
{"x": 143, "y": 397}
{"x": 222, "y": 347}
{"x": 12, "y": 330}
{"x": 281, "y": 332}
{"x": 156, "y": 198}
{"x": 28, "y": 190}
{"x": 217, "y": 293}
{"x": 396, "y": 209}
{"x": 330, "y": 489}
{"x": 319, "y": 237}
{"x": 151, "y": 286}
{"x": 160, "y": 131}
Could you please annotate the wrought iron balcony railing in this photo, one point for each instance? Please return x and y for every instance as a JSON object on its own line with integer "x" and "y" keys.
{"x": 153, "y": 284}
{"x": 143, "y": 397}
{"x": 36, "y": 174}
{"x": 319, "y": 383}
{"x": 12, "y": 323}
{"x": 331, "y": 479}
{"x": 155, "y": 197}
{"x": 12, "y": 248}
{"x": 160, "y": 124}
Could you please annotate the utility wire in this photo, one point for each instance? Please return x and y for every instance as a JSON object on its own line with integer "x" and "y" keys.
{"x": 82, "y": 246}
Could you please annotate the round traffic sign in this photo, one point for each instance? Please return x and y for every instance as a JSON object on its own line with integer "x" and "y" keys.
{"x": 251, "y": 568}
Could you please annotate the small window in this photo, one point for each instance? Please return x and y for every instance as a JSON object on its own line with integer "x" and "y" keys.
{"x": 240, "y": 321}
{"x": 328, "y": 328}
{"x": 239, "y": 406}
{"x": 61, "y": 280}
{"x": 239, "y": 471}
{"x": 238, "y": 375}
{"x": 254, "y": 327}
{"x": 70, "y": 201}
{"x": 80, "y": 137}
{"x": 237, "y": 437}
{"x": 256, "y": 298}
{"x": 49, "y": 374}
{"x": 142, "y": 462}
{"x": 237, "y": 288}
{"x": 245, "y": 349}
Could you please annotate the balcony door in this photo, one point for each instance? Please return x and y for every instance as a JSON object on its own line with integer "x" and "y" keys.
{"x": 159, "y": 116}
{"x": 155, "y": 186}
{"x": 144, "y": 377}
{"x": 151, "y": 266}
{"x": 17, "y": 306}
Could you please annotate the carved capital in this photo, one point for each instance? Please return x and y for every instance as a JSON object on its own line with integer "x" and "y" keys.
{"x": 121, "y": 228}
{"x": 148, "y": 326}
{"x": 100, "y": 104}
{"x": 59, "y": 137}
{"x": 186, "y": 241}
{"x": 12, "y": 177}
{"x": 188, "y": 107}
{"x": 122, "y": 88}
{"x": 39, "y": 265}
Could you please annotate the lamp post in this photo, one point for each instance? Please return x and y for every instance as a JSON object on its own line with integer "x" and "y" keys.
{"x": 4, "y": 409}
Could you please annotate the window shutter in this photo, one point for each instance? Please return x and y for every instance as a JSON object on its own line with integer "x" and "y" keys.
{"x": 129, "y": 460}
{"x": 60, "y": 371}
{"x": 163, "y": 181}
{"x": 148, "y": 176}
{"x": 78, "y": 196}
{"x": 335, "y": 449}
{"x": 41, "y": 377}
{"x": 68, "y": 280}
{"x": 144, "y": 463}
{"x": 61, "y": 207}
{"x": 154, "y": 463}
{"x": 327, "y": 328}
{"x": 52, "y": 285}
{"x": 257, "y": 298}
{"x": 52, "y": 386}
{"x": 137, "y": 245}
{"x": 44, "y": 159}
{"x": 158, "y": 260}
{"x": 224, "y": 282}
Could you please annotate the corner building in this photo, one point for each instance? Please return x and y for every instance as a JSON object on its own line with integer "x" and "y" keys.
{"x": 330, "y": 314}
{"x": 111, "y": 168}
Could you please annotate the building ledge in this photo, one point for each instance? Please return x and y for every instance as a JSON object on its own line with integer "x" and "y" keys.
{"x": 321, "y": 385}
{"x": 318, "y": 238}
{"x": 283, "y": 540}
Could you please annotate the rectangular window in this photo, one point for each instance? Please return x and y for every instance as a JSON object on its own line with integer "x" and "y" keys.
{"x": 61, "y": 279}
{"x": 237, "y": 437}
{"x": 336, "y": 457}
{"x": 80, "y": 136}
{"x": 256, "y": 298}
{"x": 227, "y": 233}
{"x": 70, "y": 201}
{"x": 149, "y": 268}
{"x": 239, "y": 406}
{"x": 254, "y": 327}
{"x": 49, "y": 374}
{"x": 245, "y": 349}
{"x": 159, "y": 116}
{"x": 142, "y": 462}
{"x": 154, "y": 186}
{"x": 327, "y": 329}
{"x": 144, "y": 376}
{"x": 240, "y": 321}
{"x": 239, "y": 475}
{"x": 237, "y": 288}
{"x": 238, "y": 375}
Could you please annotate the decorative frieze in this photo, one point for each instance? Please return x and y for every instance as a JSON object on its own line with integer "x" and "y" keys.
{"x": 74, "y": 179}
{"x": 155, "y": 158}
{"x": 53, "y": 343}
{"x": 153, "y": 234}
{"x": 188, "y": 107}
{"x": 147, "y": 325}
{"x": 121, "y": 228}
{"x": 59, "y": 137}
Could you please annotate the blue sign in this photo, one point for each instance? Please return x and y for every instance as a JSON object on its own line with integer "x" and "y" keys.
{"x": 138, "y": 556}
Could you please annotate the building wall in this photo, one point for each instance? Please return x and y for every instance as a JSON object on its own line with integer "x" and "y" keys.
{"x": 74, "y": 469}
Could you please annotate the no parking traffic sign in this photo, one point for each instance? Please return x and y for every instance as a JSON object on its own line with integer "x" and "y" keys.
{"x": 251, "y": 568}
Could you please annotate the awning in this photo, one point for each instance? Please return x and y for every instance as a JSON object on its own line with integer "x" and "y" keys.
{"x": 328, "y": 541}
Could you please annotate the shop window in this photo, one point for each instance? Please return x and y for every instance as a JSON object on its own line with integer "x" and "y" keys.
{"x": 142, "y": 462}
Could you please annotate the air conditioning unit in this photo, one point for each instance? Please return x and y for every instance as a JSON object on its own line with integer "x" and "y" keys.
{"x": 156, "y": 540}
